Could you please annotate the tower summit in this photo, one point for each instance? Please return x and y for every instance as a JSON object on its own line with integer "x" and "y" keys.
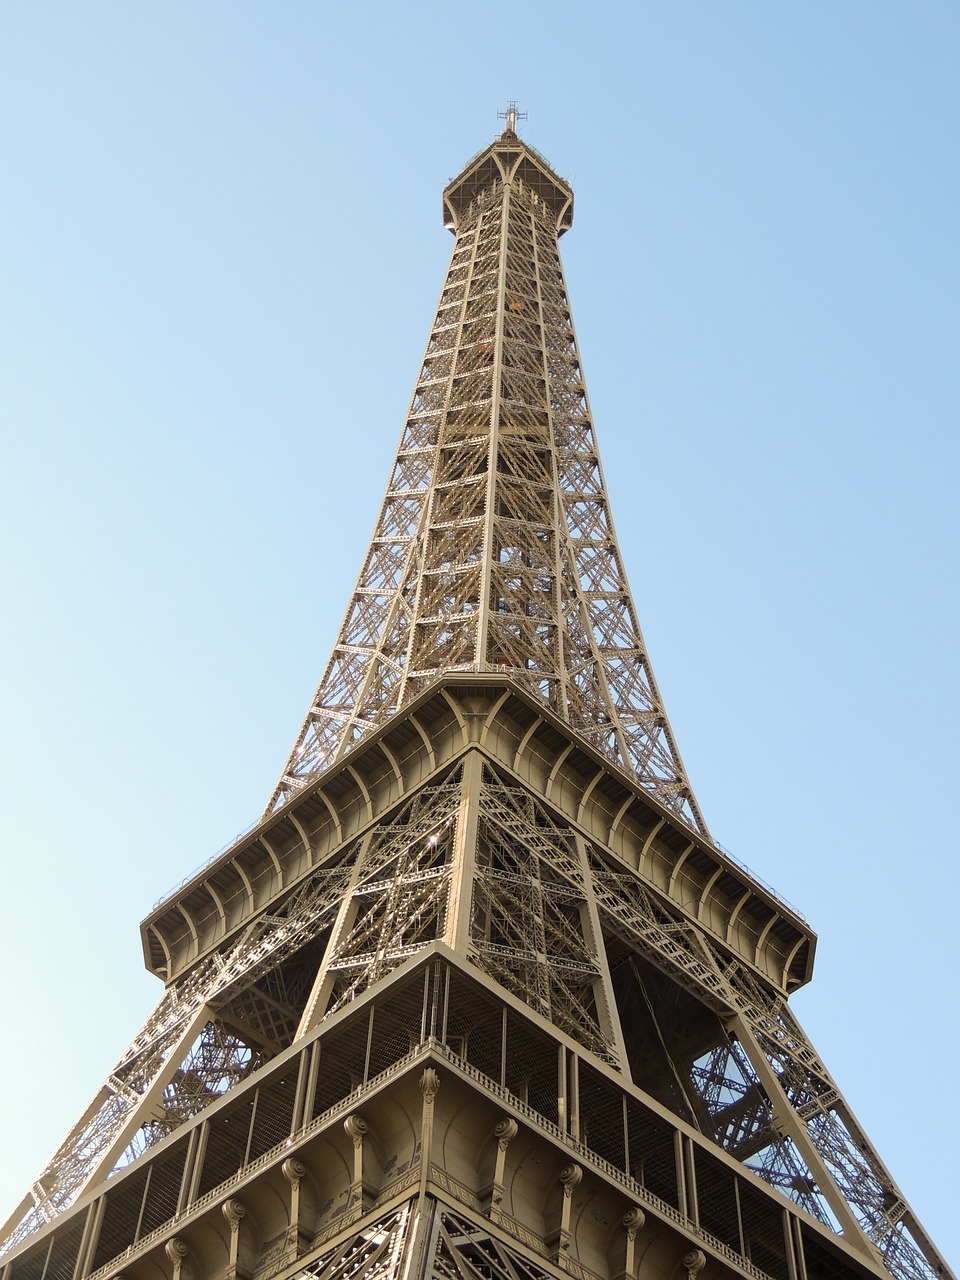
{"x": 478, "y": 998}
{"x": 494, "y": 550}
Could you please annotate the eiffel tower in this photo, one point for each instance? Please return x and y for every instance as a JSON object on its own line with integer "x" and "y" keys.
{"x": 478, "y": 998}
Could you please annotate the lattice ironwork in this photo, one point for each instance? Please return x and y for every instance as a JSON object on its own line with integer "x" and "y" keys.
{"x": 217, "y": 1061}
{"x": 785, "y": 1064}
{"x": 398, "y": 896}
{"x": 494, "y": 548}
{"x": 376, "y": 1252}
{"x": 743, "y": 1122}
{"x": 167, "y": 1059}
{"x": 530, "y": 924}
{"x": 494, "y": 552}
{"x": 465, "y": 1250}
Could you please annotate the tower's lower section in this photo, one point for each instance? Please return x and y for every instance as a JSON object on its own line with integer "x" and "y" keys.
{"x": 435, "y": 1127}
{"x": 472, "y": 1003}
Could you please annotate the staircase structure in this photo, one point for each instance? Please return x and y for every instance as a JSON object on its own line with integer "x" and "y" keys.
{"x": 478, "y": 998}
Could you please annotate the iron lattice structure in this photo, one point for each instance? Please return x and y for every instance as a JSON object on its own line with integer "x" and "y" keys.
{"x": 494, "y": 548}
{"x": 483, "y": 866}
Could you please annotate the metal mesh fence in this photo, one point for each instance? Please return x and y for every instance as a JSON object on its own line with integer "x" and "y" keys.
{"x": 822, "y": 1262}
{"x": 30, "y": 1265}
{"x": 160, "y": 1203}
{"x": 226, "y": 1144}
{"x": 531, "y": 1066}
{"x": 652, "y": 1154}
{"x": 397, "y": 1019}
{"x": 763, "y": 1231}
{"x": 342, "y": 1056}
{"x": 273, "y": 1120}
{"x": 474, "y": 1026}
{"x": 121, "y": 1217}
{"x": 602, "y": 1117}
{"x": 64, "y": 1250}
{"x": 718, "y": 1200}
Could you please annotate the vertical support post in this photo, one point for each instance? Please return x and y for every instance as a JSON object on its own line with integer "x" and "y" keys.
{"x": 429, "y": 1087}
{"x": 234, "y": 1211}
{"x": 558, "y": 1241}
{"x": 192, "y": 1184}
{"x": 457, "y": 934}
{"x": 681, "y": 1164}
{"x": 623, "y": 1265}
{"x": 491, "y": 1196}
{"x": 186, "y": 1178}
{"x": 369, "y": 1045}
{"x": 252, "y": 1126}
{"x": 798, "y": 1253}
{"x": 88, "y": 1240}
{"x": 503, "y": 1047}
{"x": 362, "y": 1194}
{"x": 574, "y": 1078}
{"x": 740, "y": 1231}
{"x": 562, "y": 1088}
{"x": 299, "y": 1100}
{"x": 446, "y": 1004}
{"x": 788, "y": 1246}
{"x": 690, "y": 1169}
{"x": 310, "y": 1096}
{"x": 143, "y": 1199}
{"x": 298, "y": 1240}
{"x": 429, "y": 980}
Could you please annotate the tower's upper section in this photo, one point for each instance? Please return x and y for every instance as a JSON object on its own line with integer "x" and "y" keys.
{"x": 505, "y": 162}
{"x": 495, "y": 550}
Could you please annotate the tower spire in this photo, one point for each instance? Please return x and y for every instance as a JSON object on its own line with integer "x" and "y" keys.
{"x": 495, "y": 549}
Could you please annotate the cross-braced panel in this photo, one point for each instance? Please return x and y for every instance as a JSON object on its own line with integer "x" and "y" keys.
{"x": 465, "y": 1250}
{"x": 742, "y": 1118}
{"x": 375, "y": 1252}
{"x": 530, "y": 928}
{"x": 217, "y": 1061}
{"x": 399, "y": 894}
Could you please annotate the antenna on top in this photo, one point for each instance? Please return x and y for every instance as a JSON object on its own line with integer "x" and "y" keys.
{"x": 511, "y": 115}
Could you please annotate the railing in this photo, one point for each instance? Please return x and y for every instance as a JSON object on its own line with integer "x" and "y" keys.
{"x": 738, "y": 862}
{"x": 208, "y": 862}
{"x": 215, "y": 1194}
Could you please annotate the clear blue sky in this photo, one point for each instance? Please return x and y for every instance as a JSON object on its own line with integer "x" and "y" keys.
{"x": 221, "y": 249}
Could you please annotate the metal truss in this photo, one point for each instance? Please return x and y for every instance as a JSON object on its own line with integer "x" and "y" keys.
{"x": 532, "y": 928}
{"x": 835, "y": 1171}
{"x": 396, "y": 900}
{"x": 217, "y": 1061}
{"x": 743, "y": 1121}
{"x": 465, "y": 1250}
{"x": 376, "y": 1252}
{"x": 426, "y": 1239}
{"x": 187, "y": 1054}
{"x": 494, "y": 548}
